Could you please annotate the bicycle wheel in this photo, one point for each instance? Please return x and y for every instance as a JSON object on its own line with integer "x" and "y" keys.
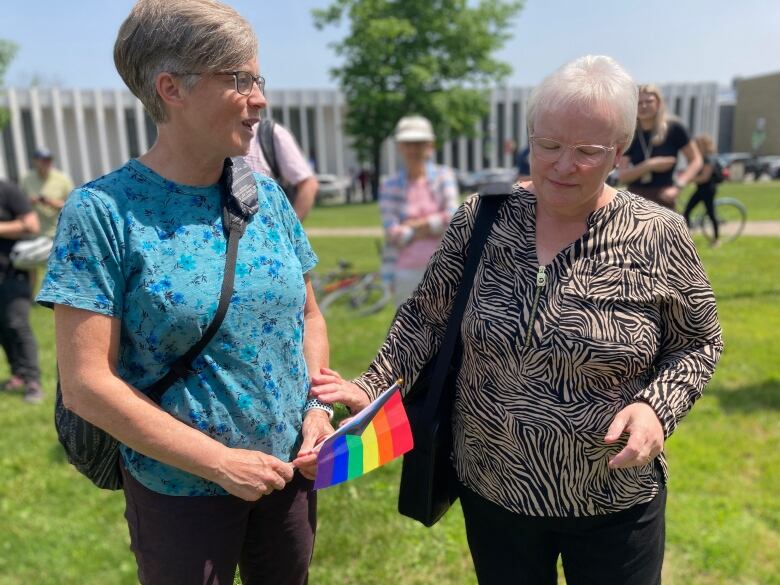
{"x": 731, "y": 216}
{"x": 370, "y": 295}
{"x": 366, "y": 296}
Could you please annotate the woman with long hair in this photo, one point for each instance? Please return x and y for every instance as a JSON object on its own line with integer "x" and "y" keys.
{"x": 647, "y": 167}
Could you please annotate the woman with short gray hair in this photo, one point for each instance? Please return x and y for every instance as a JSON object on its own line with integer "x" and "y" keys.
{"x": 589, "y": 333}
{"x": 211, "y": 471}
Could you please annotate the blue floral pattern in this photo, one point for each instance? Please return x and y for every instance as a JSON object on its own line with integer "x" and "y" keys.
{"x": 137, "y": 247}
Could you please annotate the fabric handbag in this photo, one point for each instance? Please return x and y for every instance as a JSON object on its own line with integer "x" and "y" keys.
{"x": 30, "y": 254}
{"x": 90, "y": 449}
{"x": 428, "y": 485}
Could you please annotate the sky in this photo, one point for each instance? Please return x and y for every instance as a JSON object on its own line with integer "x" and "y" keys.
{"x": 70, "y": 43}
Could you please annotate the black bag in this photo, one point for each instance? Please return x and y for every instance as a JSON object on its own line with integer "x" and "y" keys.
{"x": 428, "y": 485}
{"x": 90, "y": 449}
{"x": 718, "y": 176}
{"x": 265, "y": 136}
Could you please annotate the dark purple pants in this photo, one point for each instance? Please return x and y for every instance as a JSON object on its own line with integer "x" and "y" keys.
{"x": 191, "y": 540}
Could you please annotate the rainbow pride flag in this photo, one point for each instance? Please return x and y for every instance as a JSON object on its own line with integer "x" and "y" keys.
{"x": 376, "y": 435}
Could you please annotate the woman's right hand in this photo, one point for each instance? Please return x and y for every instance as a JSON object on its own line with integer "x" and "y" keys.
{"x": 330, "y": 387}
{"x": 250, "y": 475}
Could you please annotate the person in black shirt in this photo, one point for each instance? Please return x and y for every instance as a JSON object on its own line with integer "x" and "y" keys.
{"x": 18, "y": 221}
{"x": 648, "y": 165}
{"x": 707, "y": 185}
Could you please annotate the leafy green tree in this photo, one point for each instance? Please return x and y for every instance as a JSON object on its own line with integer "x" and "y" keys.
{"x": 428, "y": 57}
{"x": 7, "y": 52}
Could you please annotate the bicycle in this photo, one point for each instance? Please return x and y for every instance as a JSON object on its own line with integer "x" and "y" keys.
{"x": 343, "y": 289}
{"x": 731, "y": 215}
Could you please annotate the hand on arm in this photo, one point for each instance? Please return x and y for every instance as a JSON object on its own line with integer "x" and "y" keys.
{"x": 654, "y": 164}
{"x": 330, "y": 387}
{"x": 87, "y": 354}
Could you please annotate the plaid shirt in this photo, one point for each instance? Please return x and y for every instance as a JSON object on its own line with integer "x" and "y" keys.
{"x": 394, "y": 209}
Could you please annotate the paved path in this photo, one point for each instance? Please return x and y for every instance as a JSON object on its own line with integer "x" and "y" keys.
{"x": 763, "y": 228}
{"x": 753, "y": 228}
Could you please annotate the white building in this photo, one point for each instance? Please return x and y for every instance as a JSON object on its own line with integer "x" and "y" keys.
{"x": 94, "y": 131}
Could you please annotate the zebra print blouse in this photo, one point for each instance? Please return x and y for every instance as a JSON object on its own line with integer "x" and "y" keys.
{"x": 552, "y": 353}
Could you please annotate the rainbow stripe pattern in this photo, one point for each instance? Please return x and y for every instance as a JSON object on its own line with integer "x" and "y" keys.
{"x": 376, "y": 436}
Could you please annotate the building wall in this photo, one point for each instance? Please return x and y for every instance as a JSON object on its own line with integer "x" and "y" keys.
{"x": 93, "y": 131}
{"x": 757, "y": 97}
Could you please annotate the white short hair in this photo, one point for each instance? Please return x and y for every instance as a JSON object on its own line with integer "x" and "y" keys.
{"x": 179, "y": 36}
{"x": 592, "y": 81}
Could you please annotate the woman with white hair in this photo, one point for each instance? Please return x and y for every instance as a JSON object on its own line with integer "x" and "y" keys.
{"x": 589, "y": 332}
{"x": 416, "y": 205}
{"x": 134, "y": 279}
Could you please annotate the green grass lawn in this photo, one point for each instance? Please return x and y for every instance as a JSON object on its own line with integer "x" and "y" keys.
{"x": 724, "y": 502}
{"x": 762, "y": 201}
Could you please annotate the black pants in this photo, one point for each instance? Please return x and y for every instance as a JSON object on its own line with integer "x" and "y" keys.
{"x": 624, "y": 548}
{"x": 707, "y": 196}
{"x": 16, "y": 335}
{"x": 193, "y": 540}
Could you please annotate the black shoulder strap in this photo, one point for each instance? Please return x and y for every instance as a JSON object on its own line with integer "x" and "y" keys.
{"x": 239, "y": 203}
{"x": 265, "y": 135}
{"x": 490, "y": 201}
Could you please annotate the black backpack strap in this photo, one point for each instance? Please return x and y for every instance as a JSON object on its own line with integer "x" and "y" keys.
{"x": 239, "y": 202}
{"x": 265, "y": 136}
{"x": 490, "y": 200}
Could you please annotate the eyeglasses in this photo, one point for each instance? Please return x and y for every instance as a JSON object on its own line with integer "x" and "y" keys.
{"x": 243, "y": 80}
{"x": 586, "y": 155}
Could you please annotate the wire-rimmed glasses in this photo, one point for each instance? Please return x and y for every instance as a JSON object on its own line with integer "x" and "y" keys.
{"x": 243, "y": 80}
{"x": 586, "y": 155}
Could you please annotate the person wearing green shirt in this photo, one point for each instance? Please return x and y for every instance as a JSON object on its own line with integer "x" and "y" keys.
{"x": 47, "y": 188}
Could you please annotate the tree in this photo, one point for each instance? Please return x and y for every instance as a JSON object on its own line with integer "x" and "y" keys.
{"x": 428, "y": 57}
{"x": 7, "y": 52}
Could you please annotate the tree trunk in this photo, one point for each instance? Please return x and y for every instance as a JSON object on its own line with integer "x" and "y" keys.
{"x": 377, "y": 157}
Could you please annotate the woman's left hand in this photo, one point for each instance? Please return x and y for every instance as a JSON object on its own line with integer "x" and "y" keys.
{"x": 645, "y": 436}
{"x": 316, "y": 426}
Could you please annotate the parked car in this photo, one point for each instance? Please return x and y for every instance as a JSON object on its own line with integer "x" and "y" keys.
{"x": 739, "y": 164}
{"x": 332, "y": 189}
{"x": 478, "y": 179}
{"x": 770, "y": 165}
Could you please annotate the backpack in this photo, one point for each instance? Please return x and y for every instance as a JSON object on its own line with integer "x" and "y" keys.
{"x": 265, "y": 136}
{"x": 718, "y": 173}
{"x": 90, "y": 449}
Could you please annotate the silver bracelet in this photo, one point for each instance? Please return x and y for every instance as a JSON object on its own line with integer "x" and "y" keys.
{"x": 313, "y": 403}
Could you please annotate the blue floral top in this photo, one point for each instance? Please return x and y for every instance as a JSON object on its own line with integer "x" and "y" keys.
{"x": 135, "y": 246}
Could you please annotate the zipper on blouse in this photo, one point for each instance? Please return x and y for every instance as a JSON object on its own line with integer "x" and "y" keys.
{"x": 541, "y": 280}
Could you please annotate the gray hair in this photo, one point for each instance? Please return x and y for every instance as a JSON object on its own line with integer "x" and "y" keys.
{"x": 590, "y": 81}
{"x": 178, "y": 36}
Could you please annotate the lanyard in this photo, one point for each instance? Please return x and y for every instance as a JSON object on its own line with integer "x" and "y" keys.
{"x": 647, "y": 149}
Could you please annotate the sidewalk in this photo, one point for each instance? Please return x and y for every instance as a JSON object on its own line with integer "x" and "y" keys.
{"x": 753, "y": 228}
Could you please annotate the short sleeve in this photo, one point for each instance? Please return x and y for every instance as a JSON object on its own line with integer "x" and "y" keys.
{"x": 85, "y": 266}
{"x": 292, "y": 164}
{"x": 290, "y": 222}
{"x": 680, "y": 136}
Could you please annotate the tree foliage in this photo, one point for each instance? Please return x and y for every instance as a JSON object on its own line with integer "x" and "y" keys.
{"x": 429, "y": 57}
{"x": 7, "y": 52}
